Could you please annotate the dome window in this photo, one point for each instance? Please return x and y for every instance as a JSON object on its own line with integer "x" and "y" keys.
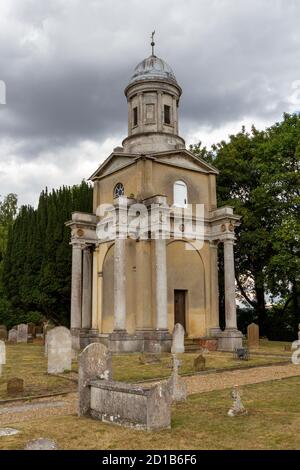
{"x": 180, "y": 194}
{"x": 118, "y": 190}
{"x": 167, "y": 114}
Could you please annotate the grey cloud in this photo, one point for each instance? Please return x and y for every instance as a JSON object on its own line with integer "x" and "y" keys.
{"x": 66, "y": 65}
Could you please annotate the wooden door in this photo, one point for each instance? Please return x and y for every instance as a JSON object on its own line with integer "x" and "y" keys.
{"x": 179, "y": 307}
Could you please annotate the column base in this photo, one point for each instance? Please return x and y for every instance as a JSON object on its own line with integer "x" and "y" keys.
{"x": 215, "y": 332}
{"x": 122, "y": 342}
{"x": 230, "y": 339}
{"x": 75, "y": 333}
{"x": 157, "y": 341}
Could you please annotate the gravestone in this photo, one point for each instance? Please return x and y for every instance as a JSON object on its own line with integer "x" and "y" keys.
{"x": 22, "y": 333}
{"x": 3, "y": 333}
{"x": 178, "y": 339}
{"x": 237, "y": 408}
{"x": 94, "y": 362}
{"x": 199, "y": 363}
{"x": 177, "y": 387}
{"x": 31, "y": 330}
{"x": 12, "y": 336}
{"x": 15, "y": 386}
{"x": 41, "y": 444}
{"x": 2, "y": 355}
{"x": 59, "y": 350}
{"x": 253, "y": 336}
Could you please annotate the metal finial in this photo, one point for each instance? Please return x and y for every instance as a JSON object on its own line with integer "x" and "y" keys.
{"x": 152, "y": 41}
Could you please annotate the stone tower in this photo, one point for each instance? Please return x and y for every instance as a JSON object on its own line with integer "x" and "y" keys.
{"x": 153, "y": 96}
{"x": 129, "y": 292}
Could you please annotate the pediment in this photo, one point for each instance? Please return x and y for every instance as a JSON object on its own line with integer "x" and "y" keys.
{"x": 113, "y": 163}
{"x": 185, "y": 159}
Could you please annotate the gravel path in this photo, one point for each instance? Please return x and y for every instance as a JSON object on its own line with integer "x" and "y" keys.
{"x": 221, "y": 380}
{"x": 38, "y": 409}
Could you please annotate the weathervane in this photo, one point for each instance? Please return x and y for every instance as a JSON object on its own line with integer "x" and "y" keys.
{"x": 152, "y": 42}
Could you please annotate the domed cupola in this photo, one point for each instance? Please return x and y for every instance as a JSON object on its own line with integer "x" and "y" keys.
{"x": 153, "y": 68}
{"x": 153, "y": 98}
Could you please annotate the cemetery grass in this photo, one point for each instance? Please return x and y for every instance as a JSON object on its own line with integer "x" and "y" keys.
{"x": 201, "y": 422}
{"x": 27, "y": 361}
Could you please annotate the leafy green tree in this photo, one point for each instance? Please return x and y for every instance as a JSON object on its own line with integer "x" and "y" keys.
{"x": 259, "y": 177}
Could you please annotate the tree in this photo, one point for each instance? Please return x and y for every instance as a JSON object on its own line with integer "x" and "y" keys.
{"x": 259, "y": 177}
{"x": 8, "y": 211}
{"x": 37, "y": 263}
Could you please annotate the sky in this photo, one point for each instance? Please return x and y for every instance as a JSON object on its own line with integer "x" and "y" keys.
{"x": 65, "y": 63}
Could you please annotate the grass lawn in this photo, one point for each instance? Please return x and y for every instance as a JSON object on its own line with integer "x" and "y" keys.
{"x": 27, "y": 361}
{"x": 199, "y": 423}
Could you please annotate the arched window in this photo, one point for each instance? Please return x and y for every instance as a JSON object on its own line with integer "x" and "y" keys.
{"x": 180, "y": 194}
{"x": 118, "y": 190}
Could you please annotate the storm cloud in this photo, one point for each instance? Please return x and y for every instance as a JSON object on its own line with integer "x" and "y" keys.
{"x": 66, "y": 63}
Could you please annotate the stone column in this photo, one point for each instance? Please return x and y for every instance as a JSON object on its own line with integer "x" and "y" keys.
{"x": 161, "y": 284}
{"x": 76, "y": 288}
{"x": 229, "y": 284}
{"x": 230, "y": 339}
{"x": 214, "y": 327}
{"x": 119, "y": 285}
{"x": 87, "y": 289}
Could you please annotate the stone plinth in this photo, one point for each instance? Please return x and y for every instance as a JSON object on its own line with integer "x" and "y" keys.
{"x": 230, "y": 340}
{"x": 130, "y": 405}
{"x": 122, "y": 342}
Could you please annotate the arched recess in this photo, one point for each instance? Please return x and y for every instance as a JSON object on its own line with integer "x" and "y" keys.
{"x": 186, "y": 272}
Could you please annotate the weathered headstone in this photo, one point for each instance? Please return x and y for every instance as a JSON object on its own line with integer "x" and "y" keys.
{"x": 199, "y": 363}
{"x": 31, "y": 330}
{"x": 59, "y": 350}
{"x": 237, "y": 408}
{"x": 2, "y": 355}
{"x": 253, "y": 336}
{"x": 176, "y": 385}
{"x": 15, "y": 386}
{"x": 22, "y": 333}
{"x": 94, "y": 362}
{"x": 12, "y": 336}
{"x": 149, "y": 358}
{"x": 3, "y": 333}
{"x": 178, "y": 339}
{"x": 41, "y": 444}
